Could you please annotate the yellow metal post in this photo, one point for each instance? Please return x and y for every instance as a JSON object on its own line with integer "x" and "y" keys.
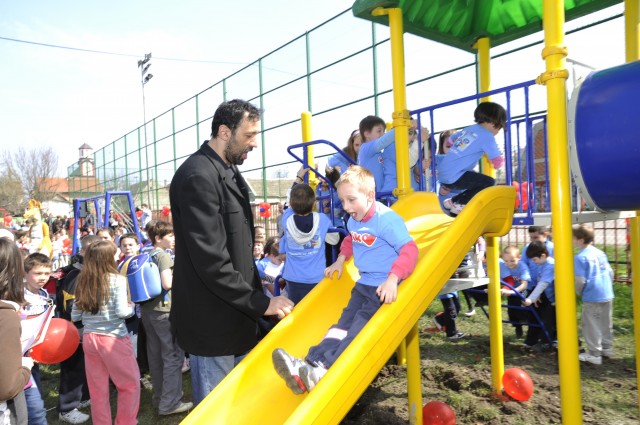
{"x": 401, "y": 124}
{"x": 483, "y": 46}
{"x": 305, "y": 118}
{"x": 554, "y": 77}
{"x": 632, "y": 53}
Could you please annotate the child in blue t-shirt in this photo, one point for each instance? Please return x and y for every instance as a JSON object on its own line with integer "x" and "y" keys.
{"x": 542, "y": 296}
{"x": 516, "y": 273}
{"x": 305, "y": 233}
{"x": 455, "y": 169}
{"x": 594, "y": 283}
{"x": 384, "y": 254}
{"x": 271, "y": 266}
{"x": 374, "y": 141}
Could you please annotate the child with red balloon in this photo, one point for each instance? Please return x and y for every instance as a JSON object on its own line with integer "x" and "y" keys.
{"x": 102, "y": 305}
{"x": 15, "y": 370}
{"x": 37, "y": 269}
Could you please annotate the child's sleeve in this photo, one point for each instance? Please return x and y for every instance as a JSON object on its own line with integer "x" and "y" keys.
{"x": 523, "y": 270}
{"x": 535, "y": 294}
{"x": 346, "y": 249}
{"x": 383, "y": 142}
{"x": 406, "y": 261}
{"x": 580, "y": 273}
{"x": 122, "y": 308}
{"x": 494, "y": 154}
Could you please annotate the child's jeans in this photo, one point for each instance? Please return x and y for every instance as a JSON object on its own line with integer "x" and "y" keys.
{"x": 110, "y": 357}
{"x": 547, "y": 313}
{"x": 362, "y": 306}
{"x": 35, "y": 406}
{"x": 597, "y": 326}
{"x": 472, "y": 183}
{"x": 451, "y": 308}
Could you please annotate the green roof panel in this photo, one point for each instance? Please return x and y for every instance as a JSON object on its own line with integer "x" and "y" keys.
{"x": 460, "y": 23}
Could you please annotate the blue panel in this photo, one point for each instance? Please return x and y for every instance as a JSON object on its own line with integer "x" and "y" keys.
{"x": 607, "y": 124}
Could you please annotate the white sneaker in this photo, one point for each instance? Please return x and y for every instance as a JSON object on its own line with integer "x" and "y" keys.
{"x": 470, "y": 313}
{"x": 586, "y": 357}
{"x": 454, "y": 207}
{"x": 310, "y": 375}
{"x": 74, "y": 417}
{"x": 607, "y": 352}
{"x": 288, "y": 368}
{"x": 84, "y": 404}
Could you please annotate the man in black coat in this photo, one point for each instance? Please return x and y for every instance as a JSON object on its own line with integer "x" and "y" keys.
{"x": 217, "y": 296}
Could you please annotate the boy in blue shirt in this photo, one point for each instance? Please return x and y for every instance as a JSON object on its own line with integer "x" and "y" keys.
{"x": 542, "y": 296}
{"x": 305, "y": 233}
{"x": 594, "y": 283}
{"x": 384, "y": 254}
{"x": 455, "y": 169}
{"x": 374, "y": 141}
{"x": 518, "y": 272}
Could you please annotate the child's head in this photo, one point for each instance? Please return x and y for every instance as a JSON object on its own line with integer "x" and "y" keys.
{"x": 538, "y": 253}
{"x": 258, "y": 250}
{"x": 491, "y": 113}
{"x": 538, "y": 233}
{"x": 105, "y": 234}
{"x": 582, "y": 235}
{"x": 37, "y": 269}
{"x": 129, "y": 244}
{"x": 357, "y": 191}
{"x": 511, "y": 256}
{"x": 11, "y": 272}
{"x": 272, "y": 250}
{"x": 260, "y": 233}
{"x": 86, "y": 241}
{"x": 302, "y": 199}
{"x": 161, "y": 235}
{"x": 444, "y": 141}
{"x": 22, "y": 236}
{"x": 371, "y": 128}
{"x": 353, "y": 145}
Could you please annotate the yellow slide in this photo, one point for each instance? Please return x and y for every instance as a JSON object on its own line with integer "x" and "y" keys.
{"x": 254, "y": 394}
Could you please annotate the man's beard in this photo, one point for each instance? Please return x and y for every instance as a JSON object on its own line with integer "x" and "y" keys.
{"x": 233, "y": 152}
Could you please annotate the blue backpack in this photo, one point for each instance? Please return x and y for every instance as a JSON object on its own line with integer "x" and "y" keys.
{"x": 143, "y": 277}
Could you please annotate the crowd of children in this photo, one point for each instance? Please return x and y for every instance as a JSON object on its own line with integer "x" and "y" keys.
{"x": 122, "y": 341}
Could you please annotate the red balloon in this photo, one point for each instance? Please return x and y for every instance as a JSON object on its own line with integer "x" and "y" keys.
{"x": 510, "y": 281}
{"x": 166, "y": 211}
{"x": 517, "y": 384}
{"x": 60, "y": 342}
{"x": 438, "y": 413}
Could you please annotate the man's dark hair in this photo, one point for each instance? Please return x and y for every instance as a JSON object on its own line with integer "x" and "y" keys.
{"x": 536, "y": 249}
{"x": 492, "y": 113}
{"x": 368, "y": 123}
{"x": 231, "y": 114}
{"x": 301, "y": 199}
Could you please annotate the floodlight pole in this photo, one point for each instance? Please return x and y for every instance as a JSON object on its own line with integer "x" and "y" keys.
{"x": 144, "y": 79}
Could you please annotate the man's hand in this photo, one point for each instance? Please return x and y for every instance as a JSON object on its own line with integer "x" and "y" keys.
{"x": 280, "y": 306}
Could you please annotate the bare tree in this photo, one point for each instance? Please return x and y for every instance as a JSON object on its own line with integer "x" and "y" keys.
{"x": 11, "y": 195}
{"x": 34, "y": 169}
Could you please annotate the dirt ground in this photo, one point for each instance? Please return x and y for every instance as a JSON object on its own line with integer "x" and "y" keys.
{"x": 459, "y": 374}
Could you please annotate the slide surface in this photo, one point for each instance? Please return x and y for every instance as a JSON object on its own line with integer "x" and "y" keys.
{"x": 253, "y": 393}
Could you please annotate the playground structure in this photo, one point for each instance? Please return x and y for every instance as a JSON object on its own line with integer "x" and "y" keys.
{"x": 559, "y": 201}
{"x": 120, "y": 202}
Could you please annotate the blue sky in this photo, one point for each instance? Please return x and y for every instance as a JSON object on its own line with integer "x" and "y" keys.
{"x": 65, "y": 98}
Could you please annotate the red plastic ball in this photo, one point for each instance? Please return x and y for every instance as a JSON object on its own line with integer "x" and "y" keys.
{"x": 438, "y": 413}
{"x": 60, "y": 342}
{"x": 517, "y": 384}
